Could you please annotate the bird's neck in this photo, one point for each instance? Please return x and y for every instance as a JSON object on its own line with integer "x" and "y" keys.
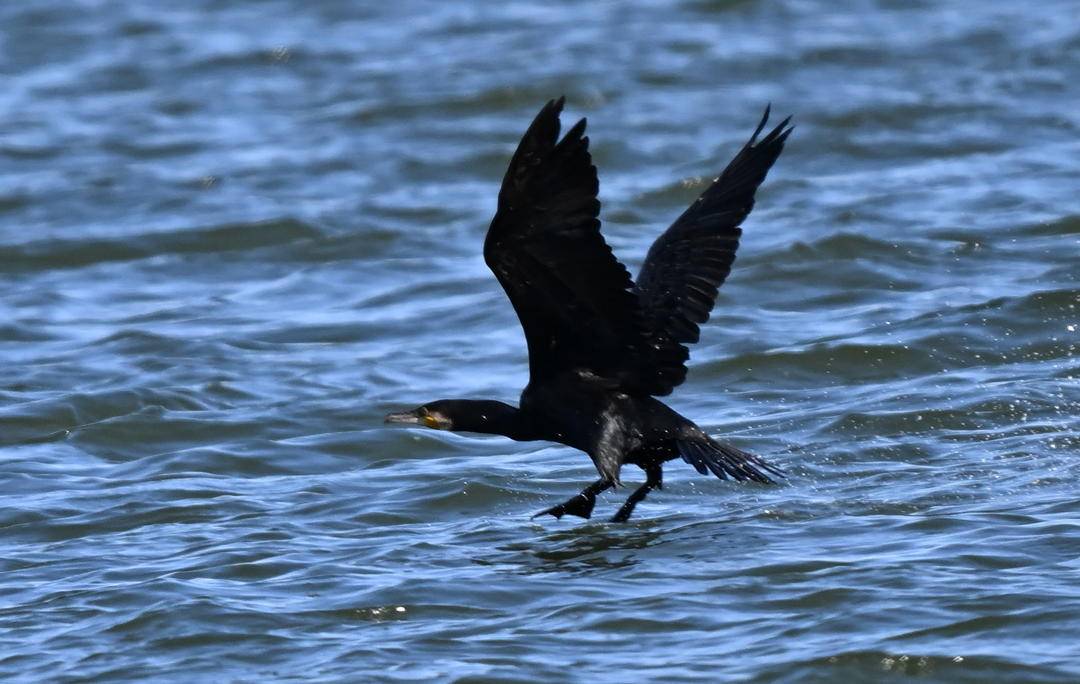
{"x": 490, "y": 417}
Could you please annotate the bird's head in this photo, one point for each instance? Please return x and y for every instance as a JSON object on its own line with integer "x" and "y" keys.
{"x": 434, "y": 415}
{"x": 465, "y": 415}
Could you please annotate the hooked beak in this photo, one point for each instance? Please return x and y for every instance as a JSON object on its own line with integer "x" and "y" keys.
{"x": 407, "y": 418}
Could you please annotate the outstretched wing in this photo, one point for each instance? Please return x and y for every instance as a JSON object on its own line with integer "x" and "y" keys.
{"x": 572, "y": 295}
{"x": 687, "y": 264}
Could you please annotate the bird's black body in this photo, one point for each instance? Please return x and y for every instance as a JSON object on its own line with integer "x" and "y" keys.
{"x": 601, "y": 347}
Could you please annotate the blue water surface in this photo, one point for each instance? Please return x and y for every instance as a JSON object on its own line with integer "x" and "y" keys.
{"x": 233, "y": 235}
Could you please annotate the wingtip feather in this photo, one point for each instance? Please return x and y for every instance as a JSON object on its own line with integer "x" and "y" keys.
{"x": 578, "y": 130}
{"x": 761, "y": 125}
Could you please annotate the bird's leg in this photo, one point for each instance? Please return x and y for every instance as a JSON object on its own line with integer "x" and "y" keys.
{"x": 653, "y": 479}
{"x": 582, "y": 504}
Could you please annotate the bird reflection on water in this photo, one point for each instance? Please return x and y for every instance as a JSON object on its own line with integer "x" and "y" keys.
{"x": 570, "y": 551}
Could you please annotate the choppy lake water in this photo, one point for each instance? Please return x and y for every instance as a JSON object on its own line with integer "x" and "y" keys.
{"x": 234, "y": 234}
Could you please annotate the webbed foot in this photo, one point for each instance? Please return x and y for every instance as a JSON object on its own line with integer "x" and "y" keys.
{"x": 581, "y": 506}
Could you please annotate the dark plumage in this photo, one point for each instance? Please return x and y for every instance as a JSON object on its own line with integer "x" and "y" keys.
{"x": 600, "y": 347}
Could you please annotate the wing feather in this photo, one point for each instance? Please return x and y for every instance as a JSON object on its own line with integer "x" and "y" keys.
{"x": 685, "y": 267}
{"x": 573, "y": 297}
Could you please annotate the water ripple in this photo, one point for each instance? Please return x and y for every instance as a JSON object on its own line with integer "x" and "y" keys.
{"x": 228, "y": 252}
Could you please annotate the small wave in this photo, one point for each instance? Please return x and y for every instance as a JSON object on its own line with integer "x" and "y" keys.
{"x": 48, "y": 419}
{"x": 874, "y": 665}
{"x": 27, "y": 151}
{"x": 14, "y": 332}
{"x": 1069, "y": 225}
{"x": 829, "y": 364}
{"x": 486, "y": 102}
{"x": 71, "y": 253}
{"x": 149, "y": 148}
{"x": 278, "y": 56}
{"x": 10, "y": 202}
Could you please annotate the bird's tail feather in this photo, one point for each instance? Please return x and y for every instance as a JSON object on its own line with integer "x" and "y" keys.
{"x": 725, "y": 461}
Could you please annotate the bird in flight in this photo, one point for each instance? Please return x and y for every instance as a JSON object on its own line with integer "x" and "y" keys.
{"x": 602, "y": 347}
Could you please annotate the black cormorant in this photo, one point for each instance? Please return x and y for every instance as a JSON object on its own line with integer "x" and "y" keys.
{"x": 602, "y": 347}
